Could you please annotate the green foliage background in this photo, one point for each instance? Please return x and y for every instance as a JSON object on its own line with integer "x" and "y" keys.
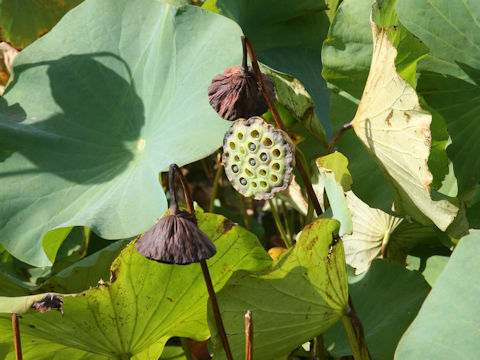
{"x": 116, "y": 91}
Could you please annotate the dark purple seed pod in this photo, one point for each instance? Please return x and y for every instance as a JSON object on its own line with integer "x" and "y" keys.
{"x": 235, "y": 93}
{"x": 176, "y": 239}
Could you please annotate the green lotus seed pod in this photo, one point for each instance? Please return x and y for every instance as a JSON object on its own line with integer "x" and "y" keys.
{"x": 258, "y": 158}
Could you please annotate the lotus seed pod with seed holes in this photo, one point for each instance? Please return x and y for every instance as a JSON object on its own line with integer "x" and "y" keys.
{"x": 258, "y": 158}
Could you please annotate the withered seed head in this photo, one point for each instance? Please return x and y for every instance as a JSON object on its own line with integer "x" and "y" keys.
{"x": 235, "y": 93}
{"x": 176, "y": 239}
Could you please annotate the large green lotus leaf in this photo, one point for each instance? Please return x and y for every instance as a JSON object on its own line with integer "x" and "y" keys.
{"x": 447, "y": 325}
{"x": 386, "y": 300}
{"x": 431, "y": 267}
{"x": 287, "y": 36}
{"x": 97, "y": 108}
{"x": 145, "y": 303}
{"x": 453, "y": 35}
{"x": 396, "y": 132}
{"x": 299, "y": 296}
{"x": 24, "y": 21}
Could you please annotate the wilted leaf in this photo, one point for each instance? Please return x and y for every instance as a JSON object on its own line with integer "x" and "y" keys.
{"x": 377, "y": 233}
{"x": 346, "y": 57}
{"x": 145, "y": 304}
{"x": 97, "y": 108}
{"x": 396, "y": 131}
{"x": 372, "y": 229}
{"x": 299, "y": 296}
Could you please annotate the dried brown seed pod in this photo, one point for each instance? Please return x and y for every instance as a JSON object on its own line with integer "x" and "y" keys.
{"x": 176, "y": 239}
{"x": 235, "y": 93}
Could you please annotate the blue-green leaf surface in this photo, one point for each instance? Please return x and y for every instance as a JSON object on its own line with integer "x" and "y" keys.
{"x": 97, "y": 108}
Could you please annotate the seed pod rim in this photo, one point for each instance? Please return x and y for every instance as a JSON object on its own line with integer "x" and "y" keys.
{"x": 288, "y": 160}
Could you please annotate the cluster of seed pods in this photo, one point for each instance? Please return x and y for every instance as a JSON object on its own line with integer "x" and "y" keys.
{"x": 258, "y": 158}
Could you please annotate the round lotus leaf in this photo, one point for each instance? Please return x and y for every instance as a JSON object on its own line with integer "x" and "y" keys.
{"x": 258, "y": 158}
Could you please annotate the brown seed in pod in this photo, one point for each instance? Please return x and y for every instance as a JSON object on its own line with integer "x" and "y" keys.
{"x": 176, "y": 239}
{"x": 235, "y": 93}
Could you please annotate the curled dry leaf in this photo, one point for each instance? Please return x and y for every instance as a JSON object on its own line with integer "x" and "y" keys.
{"x": 371, "y": 230}
{"x": 396, "y": 132}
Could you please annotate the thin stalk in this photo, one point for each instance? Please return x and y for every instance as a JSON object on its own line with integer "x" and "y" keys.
{"x": 337, "y": 137}
{"x": 280, "y": 124}
{"x": 358, "y": 328}
{"x": 186, "y": 349}
{"x": 280, "y": 228}
{"x": 216, "y": 182}
{"x": 207, "y": 170}
{"x": 352, "y": 339}
{"x": 320, "y": 348}
{"x": 16, "y": 335}
{"x": 216, "y": 309}
{"x": 248, "y": 336}
{"x": 206, "y": 274}
{"x": 287, "y": 223}
{"x": 243, "y": 210}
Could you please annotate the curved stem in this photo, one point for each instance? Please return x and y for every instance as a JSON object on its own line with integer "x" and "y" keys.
{"x": 280, "y": 124}
{"x": 188, "y": 199}
{"x": 206, "y": 274}
{"x": 337, "y": 136}
{"x": 171, "y": 188}
{"x": 216, "y": 309}
{"x": 244, "y": 60}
